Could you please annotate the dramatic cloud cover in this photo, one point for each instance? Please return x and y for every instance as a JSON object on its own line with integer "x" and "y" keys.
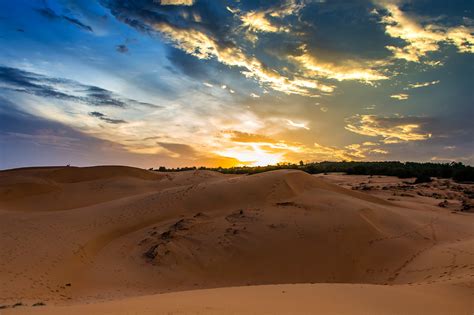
{"x": 222, "y": 83}
{"x": 391, "y": 129}
{"x": 422, "y": 34}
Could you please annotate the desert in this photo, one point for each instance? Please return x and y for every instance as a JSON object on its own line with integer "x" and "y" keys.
{"x": 237, "y": 157}
{"x": 123, "y": 240}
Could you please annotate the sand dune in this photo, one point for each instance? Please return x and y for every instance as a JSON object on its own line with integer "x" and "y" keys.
{"x": 119, "y": 237}
{"x": 306, "y": 299}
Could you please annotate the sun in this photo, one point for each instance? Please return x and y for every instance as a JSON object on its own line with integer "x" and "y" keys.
{"x": 255, "y": 157}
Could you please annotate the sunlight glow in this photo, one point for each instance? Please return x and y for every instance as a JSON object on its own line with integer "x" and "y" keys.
{"x": 255, "y": 157}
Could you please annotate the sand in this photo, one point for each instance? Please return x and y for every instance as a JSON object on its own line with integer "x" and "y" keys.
{"x": 281, "y": 299}
{"x": 120, "y": 240}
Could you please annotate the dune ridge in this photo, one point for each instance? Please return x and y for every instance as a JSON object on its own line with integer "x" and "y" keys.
{"x": 116, "y": 233}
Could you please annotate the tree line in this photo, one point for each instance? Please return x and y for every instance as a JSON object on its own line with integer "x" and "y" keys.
{"x": 421, "y": 171}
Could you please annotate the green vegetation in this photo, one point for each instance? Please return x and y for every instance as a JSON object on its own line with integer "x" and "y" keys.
{"x": 422, "y": 171}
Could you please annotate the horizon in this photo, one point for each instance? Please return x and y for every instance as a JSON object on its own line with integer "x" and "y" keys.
{"x": 235, "y": 83}
{"x": 278, "y": 166}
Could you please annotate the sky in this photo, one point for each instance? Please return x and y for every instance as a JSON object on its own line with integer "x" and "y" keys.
{"x": 213, "y": 83}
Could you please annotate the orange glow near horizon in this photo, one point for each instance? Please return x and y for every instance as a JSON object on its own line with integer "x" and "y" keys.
{"x": 256, "y": 157}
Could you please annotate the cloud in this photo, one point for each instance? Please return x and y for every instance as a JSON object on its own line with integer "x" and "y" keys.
{"x": 255, "y": 153}
{"x": 184, "y": 151}
{"x": 289, "y": 7}
{"x": 78, "y": 23}
{"x": 349, "y": 70}
{"x": 204, "y": 46}
{"x": 390, "y": 129}
{"x": 188, "y": 65}
{"x": 448, "y": 159}
{"x": 258, "y": 149}
{"x": 47, "y": 13}
{"x": 179, "y": 149}
{"x": 297, "y": 125}
{"x": 400, "y": 97}
{"x": 135, "y": 139}
{"x": 422, "y": 84}
{"x": 213, "y": 40}
{"x": 310, "y": 59}
{"x": 102, "y": 97}
{"x": 177, "y": 2}
{"x": 244, "y": 137}
{"x": 104, "y": 117}
{"x": 121, "y": 48}
{"x": 462, "y": 37}
{"x": 32, "y": 140}
{"x": 258, "y": 22}
{"x": 333, "y": 153}
{"x": 54, "y": 143}
{"x": 331, "y": 48}
{"x": 255, "y": 148}
{"x": 263, "y": 21}
{"x": 421, "y": 35}
{"x": 348, "y": 153}
{"x": 51, "y": 15}
{"x": 21, "y": 81}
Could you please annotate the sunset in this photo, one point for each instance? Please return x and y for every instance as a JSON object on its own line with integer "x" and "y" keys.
{"x": 213, "y": 83}
{"x": 236, "y": 157}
